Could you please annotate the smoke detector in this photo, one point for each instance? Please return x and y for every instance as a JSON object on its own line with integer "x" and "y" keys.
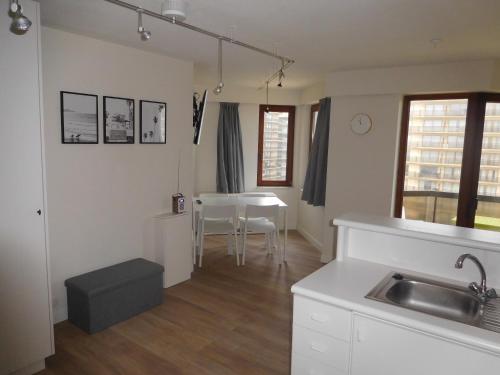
{"x": 175, "y": 9}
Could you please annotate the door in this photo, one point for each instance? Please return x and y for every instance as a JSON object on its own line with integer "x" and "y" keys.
{"x": 485, "y": 212}
{"x": 384, "y": 348}
{"x": 25, "y": 329}
{"x": 449, "y": 160}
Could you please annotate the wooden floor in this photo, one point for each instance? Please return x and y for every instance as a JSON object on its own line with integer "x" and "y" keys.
{"x": 225, "y": 320}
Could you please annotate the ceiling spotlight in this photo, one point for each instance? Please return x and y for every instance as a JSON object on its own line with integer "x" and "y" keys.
{"x": 281, "y": 74}
{"x": 145, "y": 34}
{"x": 220, "y": 85}
{"x": 20, "y": 23}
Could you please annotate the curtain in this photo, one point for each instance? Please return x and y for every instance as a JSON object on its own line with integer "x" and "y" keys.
{"x": 230, "y": 168}
{"x": 315, "y": 181}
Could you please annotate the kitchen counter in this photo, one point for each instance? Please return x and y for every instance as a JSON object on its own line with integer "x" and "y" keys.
{"x": 345, "y": 284}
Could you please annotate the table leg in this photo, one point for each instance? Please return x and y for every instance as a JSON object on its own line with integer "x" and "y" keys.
{"x": 193, "y": 232}
{"x": 286, "y": 234}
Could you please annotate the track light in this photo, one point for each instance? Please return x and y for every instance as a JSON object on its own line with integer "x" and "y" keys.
{"x": 220, "y": 85}
{"x": 145, "y": 34}
{"x": 281, "y": 74}
{"x": 267, "y": 97}
{"x": 20, "y": 23}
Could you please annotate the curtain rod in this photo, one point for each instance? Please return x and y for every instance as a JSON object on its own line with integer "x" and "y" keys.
{"x": 286, "y": 61}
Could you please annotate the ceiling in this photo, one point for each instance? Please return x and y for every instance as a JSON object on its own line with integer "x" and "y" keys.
{"x": 321, "y": 35}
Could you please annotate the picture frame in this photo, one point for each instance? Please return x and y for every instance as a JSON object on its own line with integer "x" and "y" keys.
{"x": 153, "y": 122}
{"x": 119, "y": 120}
{"x": 79, "y": 122}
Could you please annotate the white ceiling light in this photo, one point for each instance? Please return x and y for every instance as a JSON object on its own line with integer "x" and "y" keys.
{"x": 175, "y": 9}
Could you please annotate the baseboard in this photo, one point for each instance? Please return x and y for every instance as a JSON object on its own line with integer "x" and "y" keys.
{"x": 317, "y": 244}
{"x": 31, "y": 369}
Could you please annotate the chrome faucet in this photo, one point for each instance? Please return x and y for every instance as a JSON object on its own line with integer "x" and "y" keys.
{"x": 481, "y": 290}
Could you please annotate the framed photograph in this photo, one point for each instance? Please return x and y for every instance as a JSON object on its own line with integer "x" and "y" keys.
{"x": 118, "y": 119}
{"x": 79, "y": 118}
{"x": 153, "y": 122}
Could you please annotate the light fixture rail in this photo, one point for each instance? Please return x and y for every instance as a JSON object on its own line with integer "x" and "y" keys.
{"x": 286, "y": 61}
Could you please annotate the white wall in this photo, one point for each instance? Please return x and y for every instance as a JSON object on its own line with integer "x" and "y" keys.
{"x": 101, "y": 197}
{"x": 361, "y": 169}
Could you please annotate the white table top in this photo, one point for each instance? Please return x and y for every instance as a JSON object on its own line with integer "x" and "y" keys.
{"x": 238, "y": 200}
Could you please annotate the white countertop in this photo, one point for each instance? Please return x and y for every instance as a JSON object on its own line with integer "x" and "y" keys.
{"x": 480, "y": 239}
{"x": 345, "y": 284}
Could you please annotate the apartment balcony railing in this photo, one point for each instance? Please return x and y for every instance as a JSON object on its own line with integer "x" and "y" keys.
{"x": 441, "y": 207}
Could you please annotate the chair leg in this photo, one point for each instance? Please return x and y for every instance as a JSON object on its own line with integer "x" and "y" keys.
{"x": 277, "y": 234}
{"x": 244, "y": 245}
{"x": 236, "y": 248}
{"x": 195, "y": 244}
{"x": 201, "y": 245}
{"x": 268, "y": 242}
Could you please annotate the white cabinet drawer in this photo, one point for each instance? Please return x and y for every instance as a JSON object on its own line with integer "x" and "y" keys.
{"x": 304, "y": 366}
{"x": 318, "y": 347}
{"x": 321, "y": 317}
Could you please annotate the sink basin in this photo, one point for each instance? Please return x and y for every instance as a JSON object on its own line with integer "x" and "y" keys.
{"x": 439, "y": 299}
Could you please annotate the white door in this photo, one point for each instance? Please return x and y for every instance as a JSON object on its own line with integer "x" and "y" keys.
{"x": 25, "y": 329}
{"x": 383, "y": 348}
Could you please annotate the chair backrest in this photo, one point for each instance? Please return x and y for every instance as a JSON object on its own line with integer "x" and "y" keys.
{"x": 259, "y": 194}
{"x": 270, "y": 212}
{"x": 201, "y": 195}
{"x": 219, "y": 212}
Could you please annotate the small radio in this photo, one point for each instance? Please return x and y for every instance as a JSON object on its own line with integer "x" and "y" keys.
{"x": 178, "y": 201}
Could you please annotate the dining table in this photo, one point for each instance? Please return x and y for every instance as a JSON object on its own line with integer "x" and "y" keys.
{"x": 241, "y": 201}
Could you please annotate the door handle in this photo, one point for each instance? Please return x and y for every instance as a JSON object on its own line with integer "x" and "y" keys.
{"x": 39, "y": 212}
{"x": 318, "y": 347}
{"x": 318, "y": 318}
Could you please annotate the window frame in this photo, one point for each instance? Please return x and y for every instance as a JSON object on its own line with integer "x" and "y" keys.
{"x": 290, "y": 143}
{"x": 314, "y": 108}
{"x": 471, "y": 152}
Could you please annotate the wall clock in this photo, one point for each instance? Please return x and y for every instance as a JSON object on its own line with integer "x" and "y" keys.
{"x": 361, "y": 123}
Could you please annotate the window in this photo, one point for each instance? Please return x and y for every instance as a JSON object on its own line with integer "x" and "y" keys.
{"x": 313, "y": 120}
{"x": 449, "y": 162}
{"x": 275, "y": 157}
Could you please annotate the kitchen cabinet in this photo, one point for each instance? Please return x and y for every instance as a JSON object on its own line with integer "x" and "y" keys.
{"x": 394, "y": 350}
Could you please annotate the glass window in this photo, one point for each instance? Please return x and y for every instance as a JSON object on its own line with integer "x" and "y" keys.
{"x": 276, "y": 146}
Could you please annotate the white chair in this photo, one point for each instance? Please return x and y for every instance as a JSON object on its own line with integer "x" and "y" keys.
{"x": 217, "y": 220}
{"x": 205, "y": 195}
{"x": 261, "y": 219}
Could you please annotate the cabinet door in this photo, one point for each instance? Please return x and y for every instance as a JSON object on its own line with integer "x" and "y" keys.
{"x": 25, "y": 330}
{"x": 383, "y": 348}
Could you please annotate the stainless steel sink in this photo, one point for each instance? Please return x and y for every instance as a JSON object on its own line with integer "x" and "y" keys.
{"x": 443, "y": 300}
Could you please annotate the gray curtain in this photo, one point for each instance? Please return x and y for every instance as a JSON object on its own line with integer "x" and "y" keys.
{"x": 315, "y": 181}
{"x": 230, "y": 169}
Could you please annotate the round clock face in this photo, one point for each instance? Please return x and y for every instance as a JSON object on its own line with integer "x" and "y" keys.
{"x": 361, "y": 123}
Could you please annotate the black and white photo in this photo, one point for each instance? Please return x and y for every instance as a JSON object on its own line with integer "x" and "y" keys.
{"x": 118, "y": 120}
{"x": 153, "y": 122}
{"x": 78, "y": 118}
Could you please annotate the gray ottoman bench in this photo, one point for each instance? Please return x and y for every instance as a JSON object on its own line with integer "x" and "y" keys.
{"x": 99, "y": 299}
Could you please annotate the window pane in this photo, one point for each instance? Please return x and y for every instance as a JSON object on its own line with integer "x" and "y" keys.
{"x": 488, "y": 190}
{"x": 436, "y": 133}
{"x": 275, "y": 140}
{"x": 313, "y": 124}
